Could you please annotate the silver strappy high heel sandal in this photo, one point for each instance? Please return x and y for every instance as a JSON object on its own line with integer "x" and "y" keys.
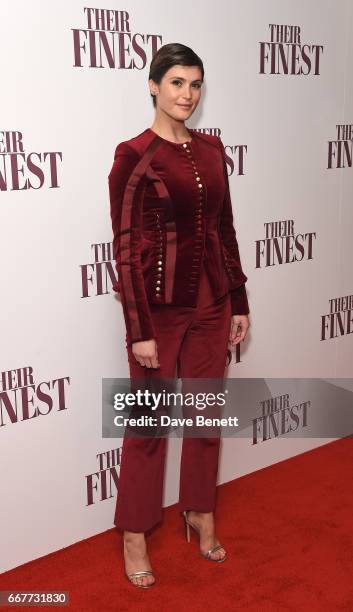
{"x": 207, "y": 554}
{"x": 141, "y": 574}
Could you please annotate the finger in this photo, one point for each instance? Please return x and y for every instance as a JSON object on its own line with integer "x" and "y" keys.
{"x": 148, "y": 362}
{"x": 240, "y": 337}
{"x": 235, "y": 341}
{"x": 233, "y": 332}
{"x": 140, "y": 360}
{"x": 236, "y": 330}
{"x": 237, "y": 336}
{"x": 154, "y": 362}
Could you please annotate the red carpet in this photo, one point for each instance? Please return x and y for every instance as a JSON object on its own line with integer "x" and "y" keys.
{"x": 287, "y": 529}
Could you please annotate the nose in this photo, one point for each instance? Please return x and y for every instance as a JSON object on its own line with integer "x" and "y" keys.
{"x": 187, "y": 96}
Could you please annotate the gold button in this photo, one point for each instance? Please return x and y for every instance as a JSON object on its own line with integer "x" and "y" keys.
{"x": 158, "y": 288}
{"x": 159, "y": 262}
{"x": 200, "y": 185}
{"x": 185, "y": 145}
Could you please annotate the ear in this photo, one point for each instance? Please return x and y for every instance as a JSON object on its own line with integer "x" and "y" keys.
{"x": 152, "y": 85}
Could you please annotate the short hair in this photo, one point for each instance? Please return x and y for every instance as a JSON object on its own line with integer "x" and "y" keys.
{"x": 170, "y": 55}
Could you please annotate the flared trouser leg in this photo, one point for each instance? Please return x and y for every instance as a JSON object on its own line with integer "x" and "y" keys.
{"x": 195, "y": 340}
{"x": 203, "y": 355}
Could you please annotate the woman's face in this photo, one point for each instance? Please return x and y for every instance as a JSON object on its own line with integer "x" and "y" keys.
{"x": 179, "y": 91}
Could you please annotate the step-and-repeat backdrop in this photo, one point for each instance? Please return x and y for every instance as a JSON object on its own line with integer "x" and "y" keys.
{"x": 279, "y": 92}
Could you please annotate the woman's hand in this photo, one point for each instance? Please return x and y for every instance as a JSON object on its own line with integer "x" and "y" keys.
{"x": 145, "y": 352}
{"x": 239, "y": 327}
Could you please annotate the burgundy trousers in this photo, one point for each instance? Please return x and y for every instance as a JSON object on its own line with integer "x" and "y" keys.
{"x": 192, "y": 342}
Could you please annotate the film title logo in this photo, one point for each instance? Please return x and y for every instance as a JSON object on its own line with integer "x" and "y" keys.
{"x": 106, "y": 41}
{"x": 20, "y": 170}
{"x": 233, "y": 356}
{"x": 285, "y": 53}
{"x": 281, "y": 245}
{"x": 21, "y": 399}
{"x": 102, "y": 484}
{"x": 98, "y": 277}
{"x": 339, "y": 321}
{"x": 340, "y": 151}
{"x": 279, "y": 418}
{"x": 237, "y": 151}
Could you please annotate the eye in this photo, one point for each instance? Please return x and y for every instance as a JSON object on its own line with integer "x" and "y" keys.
{"x": 177, "y": 81}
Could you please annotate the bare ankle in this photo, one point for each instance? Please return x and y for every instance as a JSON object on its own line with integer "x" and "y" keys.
{"x": 134, "y": 540}
{"x": 133, "y": 535}
{"x": 200, "y": 514}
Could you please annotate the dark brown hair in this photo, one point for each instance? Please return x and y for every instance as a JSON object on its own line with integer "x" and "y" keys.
{"x": 169, "y": 55}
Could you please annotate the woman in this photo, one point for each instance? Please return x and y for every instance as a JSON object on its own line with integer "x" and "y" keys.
{"x": 182, "y": 291}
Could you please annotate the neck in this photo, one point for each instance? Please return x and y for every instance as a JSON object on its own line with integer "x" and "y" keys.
{"x": 171, "y": 130}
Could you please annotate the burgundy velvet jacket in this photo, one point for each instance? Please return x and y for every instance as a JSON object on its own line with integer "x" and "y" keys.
{"x": 171, "y": 213}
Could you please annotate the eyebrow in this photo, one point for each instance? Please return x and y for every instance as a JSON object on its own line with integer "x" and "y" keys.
{"x": 182, "y": 79}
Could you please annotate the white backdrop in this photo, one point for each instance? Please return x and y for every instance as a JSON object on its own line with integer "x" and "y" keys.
{"x": 63, "y": 330}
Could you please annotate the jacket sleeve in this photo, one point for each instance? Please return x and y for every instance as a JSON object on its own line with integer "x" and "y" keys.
{"x": 239, "y": 300}
{"x": 126, "y": 191}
